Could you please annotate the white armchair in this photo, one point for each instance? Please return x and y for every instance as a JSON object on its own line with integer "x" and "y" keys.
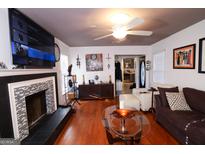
{"x": 139, "y": 90}
{"x": 156, "y": 85}
{"x": 144, "y": 96}
{"x": 129, "y": 101}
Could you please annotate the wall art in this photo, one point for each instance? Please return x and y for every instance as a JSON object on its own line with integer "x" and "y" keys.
{"x": 94, "y": 62}
{"x": 184, "y": 57}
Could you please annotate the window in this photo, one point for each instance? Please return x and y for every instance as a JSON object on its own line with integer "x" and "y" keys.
{"x": 159, "y": 67}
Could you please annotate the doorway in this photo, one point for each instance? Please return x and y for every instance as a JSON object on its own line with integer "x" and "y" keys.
{"x": 129, "y": 73}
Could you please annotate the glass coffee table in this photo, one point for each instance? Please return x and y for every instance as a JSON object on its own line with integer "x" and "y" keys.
{"x": 124, "y": 125}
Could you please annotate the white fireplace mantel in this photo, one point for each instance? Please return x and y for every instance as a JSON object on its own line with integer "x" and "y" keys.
{"x": 18, "y": 91}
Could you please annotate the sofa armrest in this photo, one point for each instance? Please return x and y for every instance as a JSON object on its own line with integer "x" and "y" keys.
{"x": 158, "y": 102}
{"x": 159, "y": 107}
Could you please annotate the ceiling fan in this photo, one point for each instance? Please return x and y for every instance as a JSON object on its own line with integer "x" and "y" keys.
{"x": 120, "y": 31}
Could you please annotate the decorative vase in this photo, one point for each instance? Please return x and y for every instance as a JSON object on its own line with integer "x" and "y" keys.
{"x": 83, "y": 79}
{"x": 110, "y": 79}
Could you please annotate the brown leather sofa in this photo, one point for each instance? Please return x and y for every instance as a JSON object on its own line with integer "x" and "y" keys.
{"x": 188, "y": 127}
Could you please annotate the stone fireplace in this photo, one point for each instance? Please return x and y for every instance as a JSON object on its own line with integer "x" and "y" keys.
{"x": 30, "y": 100}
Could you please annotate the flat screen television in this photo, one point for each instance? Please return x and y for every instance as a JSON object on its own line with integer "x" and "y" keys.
{"x": 32, "y": 46}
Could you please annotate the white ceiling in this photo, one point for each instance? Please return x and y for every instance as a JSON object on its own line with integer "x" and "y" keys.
{"x": 79, "y": 26}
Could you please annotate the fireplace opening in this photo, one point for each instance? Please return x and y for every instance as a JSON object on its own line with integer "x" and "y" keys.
{"x": 36, "y": 108}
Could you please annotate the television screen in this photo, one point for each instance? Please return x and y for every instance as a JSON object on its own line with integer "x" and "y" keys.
{"x": 32, "y": 46}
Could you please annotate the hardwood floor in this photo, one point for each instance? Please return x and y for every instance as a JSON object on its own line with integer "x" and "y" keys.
{"x": 85, "y": 127}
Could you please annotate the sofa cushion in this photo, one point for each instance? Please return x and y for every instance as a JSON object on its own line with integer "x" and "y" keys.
{"x": 162, "y": 92}
{"x": 195, "y": 98}
{"x": 181, "y": 118}
{"x": 177, "y": 101}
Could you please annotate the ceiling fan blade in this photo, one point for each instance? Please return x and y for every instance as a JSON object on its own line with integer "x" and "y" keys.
{"x": 134, "y": 22}
{"x": 101, "y": 37}
{"x": 140, "y": 32}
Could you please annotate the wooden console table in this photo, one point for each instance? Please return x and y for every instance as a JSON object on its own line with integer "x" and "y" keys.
{"x": 95, "y": 91}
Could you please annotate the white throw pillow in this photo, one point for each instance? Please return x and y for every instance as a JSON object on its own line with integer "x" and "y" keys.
{"x": 177, "y": 101}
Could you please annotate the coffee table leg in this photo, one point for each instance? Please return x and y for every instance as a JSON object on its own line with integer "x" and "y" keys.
{"x": 109, "y": 137}
{"x": 137, "y": 138}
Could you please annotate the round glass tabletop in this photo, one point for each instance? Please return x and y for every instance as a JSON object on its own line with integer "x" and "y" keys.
{"x": 134, "y": 126}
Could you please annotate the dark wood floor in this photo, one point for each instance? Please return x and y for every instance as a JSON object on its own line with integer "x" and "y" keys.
{"x": 85, "y": 127}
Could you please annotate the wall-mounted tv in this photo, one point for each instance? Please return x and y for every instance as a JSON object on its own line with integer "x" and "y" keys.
{"x": 32, "y": 46}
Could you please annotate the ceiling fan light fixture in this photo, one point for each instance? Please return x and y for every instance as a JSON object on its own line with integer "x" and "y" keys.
{"x": 119, "y": 33}
{"x": 120, "y": 19}
{"x": 123, "y": 26}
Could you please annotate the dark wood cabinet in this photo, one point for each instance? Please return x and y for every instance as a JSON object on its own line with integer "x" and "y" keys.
{"x": 93, "y": 91}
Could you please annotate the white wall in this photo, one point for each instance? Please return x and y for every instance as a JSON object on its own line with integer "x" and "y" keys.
{"x": 182, "y": 77}
{"x": 112, "y": 50}
{"x": 6, "y": 56}
{"x": 5, "y": 47}
{"x": 61, "y": 69}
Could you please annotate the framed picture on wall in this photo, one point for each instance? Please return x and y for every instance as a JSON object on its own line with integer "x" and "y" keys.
{"x": 94, "y": 62}
{"x": 184, "y": 57}
{"x": 202, "y": 55}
